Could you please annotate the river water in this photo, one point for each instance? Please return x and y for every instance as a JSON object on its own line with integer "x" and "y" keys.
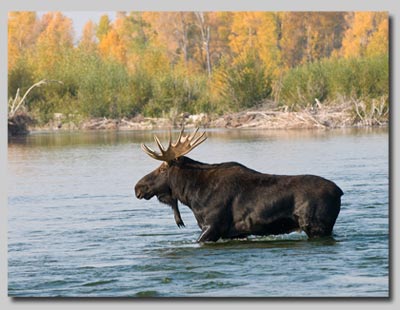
{"x": 75, "y": 228}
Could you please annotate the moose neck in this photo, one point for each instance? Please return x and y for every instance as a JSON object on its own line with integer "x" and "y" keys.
{"x": 185, "y": 179}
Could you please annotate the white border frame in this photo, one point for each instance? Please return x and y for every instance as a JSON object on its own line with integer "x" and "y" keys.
{"x": 392, "y": 6}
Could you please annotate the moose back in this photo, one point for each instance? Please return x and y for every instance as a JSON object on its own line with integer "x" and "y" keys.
{"x": 230, "y": 200}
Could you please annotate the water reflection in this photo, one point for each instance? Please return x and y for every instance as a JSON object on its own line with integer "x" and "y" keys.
{"x": 85, "y": 138}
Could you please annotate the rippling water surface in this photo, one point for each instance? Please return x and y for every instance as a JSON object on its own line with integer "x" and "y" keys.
{"x": 76, "y": 229}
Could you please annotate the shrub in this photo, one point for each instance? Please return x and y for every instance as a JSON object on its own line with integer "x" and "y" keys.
{"x": 302, "y": 85}
{"x": 243, "y": 84}
{"x": 174, "y": 90}
{"x": 327, "y": 79}
{"x": 105, "y": 89}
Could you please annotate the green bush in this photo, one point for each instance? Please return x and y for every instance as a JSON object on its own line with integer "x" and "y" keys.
{"x": 21, "y": 76}
{"x": 326, "y": 80}
{"x": 301, "y": 85}
{"x": 105, "y": 89}
{"x": 177, "y": 93}
{"x": 140, "y": 91}
{"x": 243, "y": 84}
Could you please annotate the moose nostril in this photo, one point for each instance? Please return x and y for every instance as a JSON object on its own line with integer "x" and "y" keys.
{"x": 139, "y": 191}
{"x": 139, "y": 194}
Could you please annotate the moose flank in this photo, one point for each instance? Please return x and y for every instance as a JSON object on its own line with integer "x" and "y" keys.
{"x": 230, "y": 200}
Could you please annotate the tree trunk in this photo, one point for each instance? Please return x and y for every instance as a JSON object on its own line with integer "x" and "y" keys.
{"x": 205, "y": 38}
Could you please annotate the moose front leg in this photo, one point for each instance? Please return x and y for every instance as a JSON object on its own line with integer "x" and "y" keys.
{"x": 177, "y": 216}
{"x": 173, "y": 203}
{"x": 209, "y": 233}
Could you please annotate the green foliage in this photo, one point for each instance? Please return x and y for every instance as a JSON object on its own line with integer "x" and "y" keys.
{"x": 326, "y": 80}
{"x": 103, "y": 27}
{"x": 243, "y": 84}
{"x": 105, "y": 89}
{"x": 359, "y": 77}
{"x": 141, "y": 91}
{"x": 177, "y": 92}
{"x": 20, "y": 76}
{"x": 301, "y": 85}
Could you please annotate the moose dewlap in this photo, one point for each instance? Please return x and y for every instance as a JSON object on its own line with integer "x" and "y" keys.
{"x": 230, "y": 200}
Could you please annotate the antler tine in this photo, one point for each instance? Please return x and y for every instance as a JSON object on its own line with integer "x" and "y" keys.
{"x": 190, "y": 138}
{"x": 160, "y": 146}
{"x": 169, "y": 139}
{"x": 200, "y": 139}
{"x": 149, "y": 151}
{"x": 179, "y": 138}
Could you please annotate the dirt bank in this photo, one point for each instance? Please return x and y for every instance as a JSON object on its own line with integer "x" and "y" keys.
{"x": 337, "y": 116}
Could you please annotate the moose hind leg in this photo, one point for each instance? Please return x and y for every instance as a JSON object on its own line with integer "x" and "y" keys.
{"x": 317, "y": 231}
{"x": 318, "y": 219}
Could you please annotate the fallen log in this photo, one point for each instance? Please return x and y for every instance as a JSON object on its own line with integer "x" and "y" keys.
{"x": 18, "y": 122}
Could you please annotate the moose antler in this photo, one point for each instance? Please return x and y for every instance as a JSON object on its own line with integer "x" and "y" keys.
{"x": 182, "y": 146}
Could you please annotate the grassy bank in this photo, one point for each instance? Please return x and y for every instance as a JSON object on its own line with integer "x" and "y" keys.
{"x": 329, "y": 81}
{"x": 93, "y": 89}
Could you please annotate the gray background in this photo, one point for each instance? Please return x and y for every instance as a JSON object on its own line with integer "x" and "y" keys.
{"x": 392, "y": 6}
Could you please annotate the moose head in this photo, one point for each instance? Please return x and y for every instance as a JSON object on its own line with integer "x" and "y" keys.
{"x": 157, "y": 182}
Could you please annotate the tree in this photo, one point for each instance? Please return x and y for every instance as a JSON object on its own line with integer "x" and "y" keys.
{"x": 379, "y": 40}
{"x": 23, "y": 30}
{"x": 205, "y": 38}
{"x": 310, "y": 36}
{"x": 133, "y": 36}
{"x": 112, "y": 47}
{"x": 132, "y": 29}
{"x": 103, "y": 27}
{"x": 88, "y": 42}
{"x": 366, "y": 28}
{"x": 54, "y": 41}
{"x": 220, "y": 24}
{"x": 256, "y": 32}
{"x": 173, "y": 31}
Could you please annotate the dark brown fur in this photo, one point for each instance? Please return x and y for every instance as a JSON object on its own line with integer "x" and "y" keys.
{"x": 229, "y": 200}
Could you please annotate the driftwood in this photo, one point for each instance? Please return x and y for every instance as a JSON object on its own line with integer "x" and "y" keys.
{"x": 15, "y": 105}
{"x": 18, "y": 124}
{"x": 268, "y": 116}
{"x": 373, "y": 113}
{"x": 101, "y": 124}
{"x": 320, "y": 117}
{"x": 18, "y": 121}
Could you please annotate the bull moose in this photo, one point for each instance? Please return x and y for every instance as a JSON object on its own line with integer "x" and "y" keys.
{"x": 230, "y": 200}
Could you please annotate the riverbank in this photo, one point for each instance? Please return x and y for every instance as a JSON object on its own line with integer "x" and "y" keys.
{"x": 263, "y": 117}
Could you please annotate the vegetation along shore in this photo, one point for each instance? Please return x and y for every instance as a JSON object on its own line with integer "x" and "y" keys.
{"x": 147, "y": 70}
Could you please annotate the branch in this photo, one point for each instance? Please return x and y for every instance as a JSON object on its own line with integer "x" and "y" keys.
{"x": 315, "y": 120}
{"x": 38, "y": 84}
{"x": 357, "y": 110}
{"x": 14, "y": 101}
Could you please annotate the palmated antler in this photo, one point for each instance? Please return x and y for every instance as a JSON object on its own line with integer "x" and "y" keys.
{"x": 182, "y": 146}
